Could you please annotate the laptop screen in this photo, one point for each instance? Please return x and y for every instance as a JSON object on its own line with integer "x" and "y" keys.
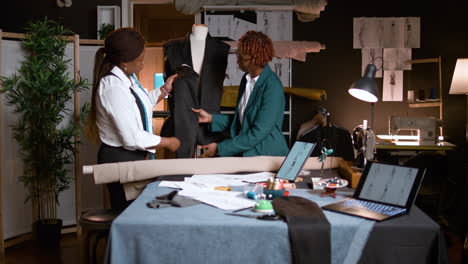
{"x": 295, "y": 160}
{"x": 390, "y": 184}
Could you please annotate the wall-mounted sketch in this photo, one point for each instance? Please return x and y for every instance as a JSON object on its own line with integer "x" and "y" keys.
{"x": 239, "y": 27}
{"x": 394, "y": 32}
{"x": 367, "y": 32}
{"x": 397, "y": 59}
{"x": 392, "y": 86}
{"x": 372, "y": 56}
{"x": 233, "y": 73}
{"x": 387, "y": 42}
{"x": 412, "y": 32}
{"x": 276, "y": 25}
{"x": 281, "y": 68}
{"x": 220, "y": 25}
{"x": 386, "y": 32}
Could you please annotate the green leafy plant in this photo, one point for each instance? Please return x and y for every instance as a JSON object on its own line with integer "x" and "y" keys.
{"x": 105, "y": 29}
{"x": 40, "y": 91}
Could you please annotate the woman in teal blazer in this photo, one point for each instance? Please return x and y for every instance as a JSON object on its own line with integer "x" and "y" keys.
{"x": 255, "y": 128}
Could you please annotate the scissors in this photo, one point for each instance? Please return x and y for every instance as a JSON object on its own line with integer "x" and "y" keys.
{"x": 260, "y": 217}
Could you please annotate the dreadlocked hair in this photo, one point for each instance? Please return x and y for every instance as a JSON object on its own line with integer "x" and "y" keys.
{"x": 258, "y": 45}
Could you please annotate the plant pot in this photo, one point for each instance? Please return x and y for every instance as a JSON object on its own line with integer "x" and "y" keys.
{"x": 48, "y": 232}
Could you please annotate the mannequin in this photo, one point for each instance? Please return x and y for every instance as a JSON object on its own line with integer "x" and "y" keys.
{"x": 201, "y": 62}
{"x": 197, "y": 45}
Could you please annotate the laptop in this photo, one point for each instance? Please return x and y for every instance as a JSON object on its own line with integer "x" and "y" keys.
{"x": 384, "y": 191}
{"x": 295, "y": 160}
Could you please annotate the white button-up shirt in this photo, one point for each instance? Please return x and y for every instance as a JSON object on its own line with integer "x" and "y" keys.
{"x": 246, "y": 96}
{"x": 118, "y": 118}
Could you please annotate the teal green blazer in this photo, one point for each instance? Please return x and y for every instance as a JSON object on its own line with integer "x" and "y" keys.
{"x": 260, "y": 134}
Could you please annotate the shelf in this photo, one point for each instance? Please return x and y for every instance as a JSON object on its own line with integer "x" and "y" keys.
{"x": 108, "y": 15}
{"x": 438, "y": 103}
{"x": 424, "y": 60}
{"x": 425, "y": 104}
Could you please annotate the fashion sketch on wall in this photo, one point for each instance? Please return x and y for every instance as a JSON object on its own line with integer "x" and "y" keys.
{"x": 276, "y": 24}
{"x": 387, "y": 42}
{"x": 392, "y": 86}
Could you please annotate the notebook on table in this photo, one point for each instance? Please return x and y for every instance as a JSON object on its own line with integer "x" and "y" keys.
{"x": 384, "y": 191}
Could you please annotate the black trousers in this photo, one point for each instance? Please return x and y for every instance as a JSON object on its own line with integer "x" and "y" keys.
{"x": 109, "y": 154}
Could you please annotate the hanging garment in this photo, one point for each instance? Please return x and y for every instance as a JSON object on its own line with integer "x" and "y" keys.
{"x": 183, "y": 119}
{"x": 193, "y": 90}
{"x": 334, "y": 137}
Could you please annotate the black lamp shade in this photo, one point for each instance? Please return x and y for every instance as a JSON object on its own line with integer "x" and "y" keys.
{"x": 365, "y": 89}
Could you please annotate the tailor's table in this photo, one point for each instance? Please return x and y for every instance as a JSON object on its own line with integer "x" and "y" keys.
{"x": 204, "y": 234}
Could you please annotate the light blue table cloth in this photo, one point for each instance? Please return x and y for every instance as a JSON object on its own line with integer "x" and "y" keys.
{"x": 205, "y": 234}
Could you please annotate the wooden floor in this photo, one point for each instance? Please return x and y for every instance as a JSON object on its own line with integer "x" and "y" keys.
{"x": 69, "y": 252}
{"x": 30, "y": 252}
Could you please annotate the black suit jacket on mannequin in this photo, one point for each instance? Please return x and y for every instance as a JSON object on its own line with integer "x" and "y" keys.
{"x": 193, "y": 90}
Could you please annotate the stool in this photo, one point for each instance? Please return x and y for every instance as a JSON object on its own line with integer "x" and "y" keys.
{"x": 98, "y": 223}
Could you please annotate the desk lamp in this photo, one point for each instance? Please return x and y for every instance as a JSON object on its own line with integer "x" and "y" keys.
{"x": 365, "y": 89}
{"x": 460, "y": 81}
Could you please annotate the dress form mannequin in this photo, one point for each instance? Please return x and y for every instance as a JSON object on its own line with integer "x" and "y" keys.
{"x": 202, "y": 89}
{"x": 197, "y": 45}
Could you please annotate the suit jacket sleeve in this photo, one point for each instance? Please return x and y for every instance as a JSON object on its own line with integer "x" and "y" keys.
{"x": 220, "y": 122}
{"x": 271, "y": 107}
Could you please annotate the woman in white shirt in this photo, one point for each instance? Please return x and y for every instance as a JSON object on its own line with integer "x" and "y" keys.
{"x": 121, "y": 109}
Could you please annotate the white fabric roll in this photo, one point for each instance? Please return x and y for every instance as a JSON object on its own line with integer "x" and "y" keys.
{"x": 134, "y": 171}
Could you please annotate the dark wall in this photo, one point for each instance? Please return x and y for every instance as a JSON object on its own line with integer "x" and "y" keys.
{"x": 81, "y": 17}
{"x": 444, "y": 33}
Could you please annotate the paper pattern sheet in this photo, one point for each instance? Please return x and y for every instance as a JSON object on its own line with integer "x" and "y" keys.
{"x": 396, "y": 59}
{"x": 220, "y": 25}
{"x": 239, "y": 27}
{"x": 277, "y": 25}
{"x": 202, "y": 188}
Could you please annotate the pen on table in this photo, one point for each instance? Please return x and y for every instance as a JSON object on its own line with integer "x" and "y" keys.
{"x": 241, "y": 209}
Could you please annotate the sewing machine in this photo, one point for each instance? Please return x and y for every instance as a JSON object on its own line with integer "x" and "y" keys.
{"x": 426, "y": 128}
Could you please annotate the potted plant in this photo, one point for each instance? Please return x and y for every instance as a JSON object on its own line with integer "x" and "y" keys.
{"x": 105, "y": 29}
{"x": 39, "y": 92}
